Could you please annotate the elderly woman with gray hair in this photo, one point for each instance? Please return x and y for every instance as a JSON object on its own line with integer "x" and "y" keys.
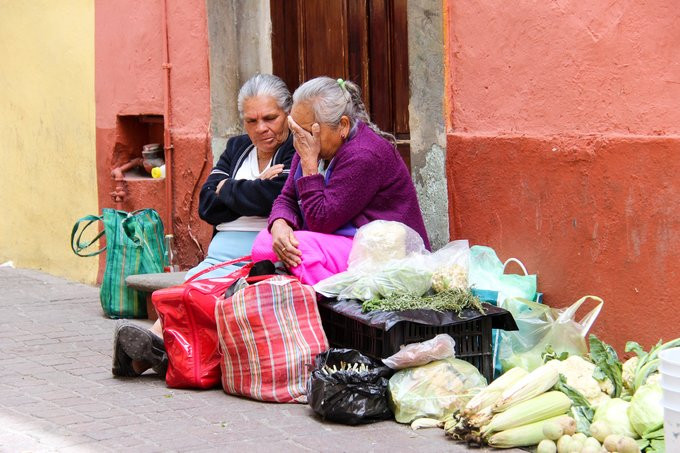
{"x": 236, "y": 199}
{"x": 345, "y": 174}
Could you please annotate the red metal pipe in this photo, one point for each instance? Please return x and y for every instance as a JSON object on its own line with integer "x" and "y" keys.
{"x": 167, "y": 139}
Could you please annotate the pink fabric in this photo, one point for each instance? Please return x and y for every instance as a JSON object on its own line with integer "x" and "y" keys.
{"x": 323, "y": 255}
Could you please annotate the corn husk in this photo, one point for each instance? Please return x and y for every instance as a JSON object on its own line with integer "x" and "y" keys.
{"x": 521, "y": 436}
{"x": 547, "y": 405}
{"x": 533, "y": 384}
{"x": 493, "y": 391}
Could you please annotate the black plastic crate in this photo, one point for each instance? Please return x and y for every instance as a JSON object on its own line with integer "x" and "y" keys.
{"x": 473, "y": 338}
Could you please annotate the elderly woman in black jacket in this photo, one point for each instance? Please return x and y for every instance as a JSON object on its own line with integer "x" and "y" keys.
{"x": 238, "y": 194}
{"x": 236, "y": 199}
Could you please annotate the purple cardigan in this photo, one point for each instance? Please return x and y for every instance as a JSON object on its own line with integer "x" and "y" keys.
{"x": 369, "y": 182}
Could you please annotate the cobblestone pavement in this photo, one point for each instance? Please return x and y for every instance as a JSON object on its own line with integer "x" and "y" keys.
{"x": 57, "y": 392}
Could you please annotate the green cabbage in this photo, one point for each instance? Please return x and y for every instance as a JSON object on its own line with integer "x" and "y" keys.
{"x": 646, "y": 409}
{"x": 614, "y": 413}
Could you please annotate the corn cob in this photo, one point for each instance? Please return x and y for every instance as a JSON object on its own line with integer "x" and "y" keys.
{"x": 543, "y": 406}
{"x": 450, "y": 424}
{"x": 531, "y": 385}
{"x": 493, "y": 391}
{"x": 481, "y": 418}
{"x": 425, "y": 422}
{"x": 521, "y": 436}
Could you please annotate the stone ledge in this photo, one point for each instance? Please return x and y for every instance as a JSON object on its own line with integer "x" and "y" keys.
{"x": 151, "y": 282}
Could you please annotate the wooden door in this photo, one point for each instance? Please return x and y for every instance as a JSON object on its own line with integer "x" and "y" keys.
{"x": 364, "y": 41}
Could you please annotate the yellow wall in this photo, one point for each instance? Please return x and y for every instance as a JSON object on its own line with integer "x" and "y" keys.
{"x": 47, "y": 133}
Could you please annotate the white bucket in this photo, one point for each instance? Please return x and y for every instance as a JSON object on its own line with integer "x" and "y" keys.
{"x": 671, "y": 428}
{"x": 670, "y": 382}
{"x": 670, "y": 361}
{"x": 671, "y": 398}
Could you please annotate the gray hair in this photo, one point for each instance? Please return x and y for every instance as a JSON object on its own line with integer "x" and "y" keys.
{"x": 265, "y": 85}
{"x": 331, "y": 99}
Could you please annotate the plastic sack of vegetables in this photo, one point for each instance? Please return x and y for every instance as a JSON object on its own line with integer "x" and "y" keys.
{"x": 433, "y": 390}
{"x": 540, "y": 326}
{"x": 380, "y": 241}
{"x": 349, "y": 387}
{"x": 387, "y": 258}
{"x": 451, "y": 264}
{"x": 415, "y": 354}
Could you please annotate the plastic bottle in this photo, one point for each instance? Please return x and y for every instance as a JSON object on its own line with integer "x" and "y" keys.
{"x": 170, "y": 258}
{"x": 158, "y": 172}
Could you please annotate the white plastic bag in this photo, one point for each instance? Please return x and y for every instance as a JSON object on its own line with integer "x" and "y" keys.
{"x": 415, "y": 354}
{"x": 387, "y": 258}
{"x": 380, "y": 241}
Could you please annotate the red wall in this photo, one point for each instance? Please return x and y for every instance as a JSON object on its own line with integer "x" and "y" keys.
{"x": 563, "y": 150}
{"x": 129, "y": 81}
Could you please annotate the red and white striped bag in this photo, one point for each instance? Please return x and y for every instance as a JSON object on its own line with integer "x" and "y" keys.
{"x": 269, "y": 332}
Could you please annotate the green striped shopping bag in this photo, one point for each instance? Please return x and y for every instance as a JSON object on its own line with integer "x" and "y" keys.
{"x": 134, "y": 245}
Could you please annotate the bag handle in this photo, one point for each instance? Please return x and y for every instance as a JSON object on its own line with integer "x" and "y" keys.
{"x": 515, "y": 260}
{"x": 76, "y": 245}
{"x": 217, "y": 266}
{"x": 588, "y": 320}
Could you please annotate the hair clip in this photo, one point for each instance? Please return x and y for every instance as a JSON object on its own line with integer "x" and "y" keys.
{"x": 342, "y": 84}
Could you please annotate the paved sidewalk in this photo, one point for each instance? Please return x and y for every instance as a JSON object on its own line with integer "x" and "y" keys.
{"x": 57, "y": 392}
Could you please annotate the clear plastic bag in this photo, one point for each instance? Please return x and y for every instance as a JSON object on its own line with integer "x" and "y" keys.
{"x": 380, "y": 241}
{"x": 416, "y": 354}
{"x": 389, "y": 258}
{"x": 451, "y": 265}
{"x": 540, "y": 326}
{"x": 433, "y": 390}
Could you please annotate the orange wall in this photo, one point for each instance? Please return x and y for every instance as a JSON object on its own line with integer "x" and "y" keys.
{"x": 563, "y": 150}
{"x": 129, "y": 81}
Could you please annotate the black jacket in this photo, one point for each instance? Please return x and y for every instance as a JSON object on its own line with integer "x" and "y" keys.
{"x": 240, "y": 197}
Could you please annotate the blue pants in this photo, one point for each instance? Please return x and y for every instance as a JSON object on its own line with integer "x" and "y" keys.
{"x": 225, "y": 246}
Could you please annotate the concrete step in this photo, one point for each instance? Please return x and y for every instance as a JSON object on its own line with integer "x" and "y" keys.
{"x": 151, "y": 282}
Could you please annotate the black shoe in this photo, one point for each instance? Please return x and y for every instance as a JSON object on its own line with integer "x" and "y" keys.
{"x": 122, "y": 363}
{"x": 141, "y": 344}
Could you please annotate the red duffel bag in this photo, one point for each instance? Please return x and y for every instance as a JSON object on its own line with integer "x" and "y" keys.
{"x": 187, "y": 314}
{"x": 269, "y": 334}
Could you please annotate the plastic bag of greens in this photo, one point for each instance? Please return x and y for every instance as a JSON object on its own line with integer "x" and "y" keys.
{"x": 349, "y": 387}
{"x": 433, "y": 390}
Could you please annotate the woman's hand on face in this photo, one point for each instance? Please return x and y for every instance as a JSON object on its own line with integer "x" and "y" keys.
{"x": 285, "y": 244}
{"x": 272, "y": 172}
{"x": 307, "y": 145}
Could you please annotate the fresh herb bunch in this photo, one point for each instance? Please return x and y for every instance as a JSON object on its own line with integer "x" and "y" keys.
{"x": 456, "y": 300}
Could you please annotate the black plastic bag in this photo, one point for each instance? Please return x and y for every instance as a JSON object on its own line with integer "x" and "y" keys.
{"x": 349, "y": 397}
